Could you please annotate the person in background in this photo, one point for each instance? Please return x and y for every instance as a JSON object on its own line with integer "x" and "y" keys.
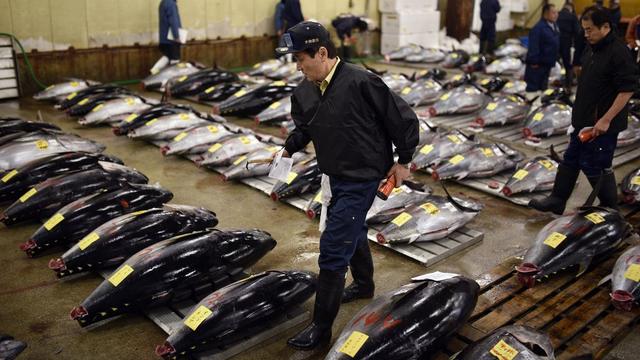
{"x": 291, "y": 14}
{"x": 489, "y": 10}
{"x": 169, "y": 20}
{"x": 344, "y": 24}
{"x": 277, "y": 18}
{"x": 616, "y": 16}
{"x": 632, "y": 36}
{"x": 544, "y": 42}
{"x": 608, "y": 79}
{"x": 569, "y": 30}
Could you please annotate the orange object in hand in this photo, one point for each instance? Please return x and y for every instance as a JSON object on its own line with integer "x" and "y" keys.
{"x": 586, "y": 135}
{"x": 385, "y": 189}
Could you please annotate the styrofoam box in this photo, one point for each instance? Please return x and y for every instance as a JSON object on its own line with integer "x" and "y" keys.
{"x": 390, "y": 42}
{"x": 411, "y": 22}
{"x": 406, "y": 5}
{"x": 503, "y": 22}
{"x": 519, "y": 6}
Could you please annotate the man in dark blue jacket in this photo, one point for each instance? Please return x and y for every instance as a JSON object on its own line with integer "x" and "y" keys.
{"x": 489, "y": 10}
{"x": 569, "y": 31}
{"x": 544, "y": 42}
{"x": 169, "y": 20}
{"x": 292, "y": 14}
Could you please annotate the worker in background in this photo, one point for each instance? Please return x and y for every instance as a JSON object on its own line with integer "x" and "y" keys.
{"x": 278, "y": 19}
{"x": 353, "y": 119}
{"x": 569, "y": 30}
{"x": 344, "y": 25}
{"x": 608, "y": 79}
{"x": 292, "y": 14}
{"x": 169, "y": 20}
{"x": 632, "y": 36}
{"x": 616, "y": 16}
{"x": 544, "y": 43}
{"x": 489, "y": 10}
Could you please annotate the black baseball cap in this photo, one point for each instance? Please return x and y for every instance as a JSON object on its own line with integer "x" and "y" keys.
{"x": 302, "y": 36}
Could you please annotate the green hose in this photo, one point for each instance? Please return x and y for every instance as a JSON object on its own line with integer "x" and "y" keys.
{"x": 26, "y": 60}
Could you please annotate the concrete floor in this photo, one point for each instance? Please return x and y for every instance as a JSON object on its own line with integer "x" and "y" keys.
{"x": 35, "y": 306}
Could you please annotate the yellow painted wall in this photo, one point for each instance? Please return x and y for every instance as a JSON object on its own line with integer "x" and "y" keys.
{"x": 48, "y": 25}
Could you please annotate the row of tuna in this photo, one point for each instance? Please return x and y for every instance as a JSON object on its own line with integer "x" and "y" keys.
{"x": 455, "y": 58}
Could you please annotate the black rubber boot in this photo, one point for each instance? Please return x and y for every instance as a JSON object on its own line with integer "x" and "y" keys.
{"x": 608, "y": 194}
{"x": 562, "y": 189}
{"x": 328, "y": 296}
{"x": 361, "y": 265}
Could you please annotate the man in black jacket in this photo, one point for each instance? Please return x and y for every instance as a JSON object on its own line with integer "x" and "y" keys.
{"x": 352, "y": 118}
{"x": 489, "y": 10}
{"x": 569, "y": 30}
{"x": 607, "y": 80}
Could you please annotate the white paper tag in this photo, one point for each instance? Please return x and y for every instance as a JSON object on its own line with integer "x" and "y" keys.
{"x": 435, "y": 276}
{"x": 281, "y": 167}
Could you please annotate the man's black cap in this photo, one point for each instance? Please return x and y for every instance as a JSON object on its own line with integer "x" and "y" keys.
{"x": 305, "y": 35}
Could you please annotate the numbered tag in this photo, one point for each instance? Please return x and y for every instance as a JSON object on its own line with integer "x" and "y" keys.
{"x": 28, "y": 194}
{"x": 292, "y": 176}
{"x": 487, "y": 152}
{"x": 275, "y": 105}
{"x": 245, "y": 140}
{"x": 426, "y": 149}
{"x": 42, "y": 144}
{"x": 470, "y": 91}
{"x": 75, "y": 84}
{"x": 406, "y": 90}
{"x": 151, "y": 122}
{"x": 184, "y": 116}
{"x": 120, "y": 275}
{"x": 182, "y": 65}
{"x": 457, "y": 77}
{"x": 548, "y": 92}
{"x": 455, "y": 55}
{"x": 130, "y": 101}
{"x": 9, "y": 175}
{"x": 83, "y": 101}
{"x": 183, "y": 78}
{"x": 180, "y": 136}
{"x": 509, "y": 85}
{"x": 240, "y": 93}
{"x": 633, "y": 272}
{"x": 595, "y": 218}
{"x": 50, "y": 87}
{"x": 240, "y": 159}
{"x": 354, "y": 343}
{"x": 131, "y": 117}
{"x": 401, "y": 219}
{"x": 212, "y": 129}
{"x": 485, "y": 81}
{"x": 636, "y": 180}
{"x": 318, "y": 197}
{"x": 445, "y": 96}
{"x": 456, "y": 159}
{"x": 396, "y": 191}
{"x": 520, "y": 174}
{"x": 430, "y": 208}
{"x": 210, "y": 90}
{"x": 97, "y": 108}
{"x": 279, "y": 83}
{"x": 255, "y": 66}
{"x": 547, "y": 164}
{"x": 53, "y": 221}
{"x": 88, "y": 240}
{"x": 136, "y": 213}
{"x": 492, "y": 106}
{"x": 539, "y": 116}
{"x": 454, "y": 139}
{"x": 72, "y": 96}
{"x": 197, "y": 317}
{"x": 555, "y": 239}
{"x": 215, "y": 147}
{"x": 503, "y": 351}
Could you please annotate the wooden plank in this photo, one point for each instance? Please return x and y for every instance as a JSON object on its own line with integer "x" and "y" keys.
{"x": 496, "y": 295}
{"x": 501, "y": 272}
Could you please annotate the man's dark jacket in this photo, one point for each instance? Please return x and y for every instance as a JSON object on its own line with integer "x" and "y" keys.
{"x": 489, "y": 10}
{"x": 544, "y": 43}
{"x": 353, "y": 124}
{"x": 607, "y": 70}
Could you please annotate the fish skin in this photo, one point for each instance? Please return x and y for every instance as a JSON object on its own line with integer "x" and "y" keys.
{"x": 556, "y": 119}
{"x": 505, "y": 65}
{"x": 86, "y": 213}
{"x": 256, "y": 100}
{"x": 396, "y": 82}
{"x": 282, "y": 72}
{"x": 78, "y": 96}
{"x": 631, "y": 135}
{"x": 403, "y": 52}
{"x": 443, "y": 146}
{"x": 114, "y": 107}
{"x": 198, "y": 82}
{"x": 240, "y": 310}
{"x": 501, "y": 110}
{"x": 92, "y": 101}
{"x": 625, "y": 290}
{"x": 53, "y": 193}
{"x": 511, "y": 49}
{"x": 513, "y": 87}
{"x": 538, "y": 177}
{"x": 155, "y": 111}
{"x": 168, "y": 126}
{"x": 413, "y": 322}
{"x": 168, "y": 271}
{"x": 432, "y": 219}
{"x": 429, "y": 56}
{"x": 307, "y": 180}
{"x": 261, "y": 67}
{"x": 59, "y": 90}
{"x": 630, "y": 187}
{"x": 460, "y": 100}
{"x": 455, "y": 58}
{"x": 278, "y": 111}
{"x": 197, "y": 140}
{"x": 51, "y": 166}
{"x": 529, "y": 343}
{"x": 484, "y": 160}
{"x": 421, "y": 92}
{"x": 584, "y": 243}
{"x": 221, "y": 92}
{"x": 159, "y": 80}
{"x": 400, "y": 198}
{"x": 18, "y": 125}
{"x": 123, "y": 236}
{"x": 226, "y": 151}
{"x": 10, "y": 348}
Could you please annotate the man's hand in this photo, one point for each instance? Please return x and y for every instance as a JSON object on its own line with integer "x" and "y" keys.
{"x": 400, "y": 172}
{"x": 601, "y": 126}
{"x": 535, "y": 66}
{"x": 577, "y": 70}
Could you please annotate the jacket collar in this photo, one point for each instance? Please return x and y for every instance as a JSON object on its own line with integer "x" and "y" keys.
{"x": 339, "y": 67}
{"x": 604, "y": 42}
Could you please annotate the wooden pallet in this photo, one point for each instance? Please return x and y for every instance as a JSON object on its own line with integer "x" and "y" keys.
{"x": 575, "y": 312}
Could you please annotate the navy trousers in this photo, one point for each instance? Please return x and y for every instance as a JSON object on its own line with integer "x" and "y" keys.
{"x": 345, "y": 228}
{"x": 488, "y": 34}
{"x": 537, "y": 79}
{"x": 591, "y": 157}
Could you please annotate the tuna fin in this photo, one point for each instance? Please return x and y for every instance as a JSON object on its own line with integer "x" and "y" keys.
{"x": 605, "y": 279}
{"x": 454, "y": 202}
{"x": 377, "y": 72}
{"x": 462, "y": 175}
{"x": 595, "y": 192}
{"x": 554, "y": 155}
{"x": 584, "y": 265}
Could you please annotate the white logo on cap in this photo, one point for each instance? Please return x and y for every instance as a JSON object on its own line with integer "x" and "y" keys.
{"x": 311, "y": 41}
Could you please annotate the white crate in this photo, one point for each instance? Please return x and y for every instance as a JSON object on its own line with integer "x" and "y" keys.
{"x": 519, "y": 6}
{"x": 411, "y": 22}
{"x": 385, "y": 6}
{"x": 390, "y": 42}
{"x": 503, "y": 22}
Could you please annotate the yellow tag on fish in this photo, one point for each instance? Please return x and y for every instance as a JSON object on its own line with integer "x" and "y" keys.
{"x": 53, "y": 221}
{"x": 240, "y": 93}
{"x": 445, "y": 96}
{"x": 456, "y": 159}
{"x": 487, "y": 152}
{"x": 74, "y": 84}
{"x": 183, "y": 78}
{"x": 396, "y": 191}
{"x": 275, "y": 105}
{"x": 547, "y": 164}
{"x": 457, "y": 77}
{"x": 548, "y": 92}
{"x": 470, "y": 91}
{"x": 255, "y": 66}
{"x": 9, "y": 175}
{"x": 537, "y": 117}
{"x": 50, "y": 87}
{"x": 279, "y": 83}
{"x": 503, "y": 351}
{"x": 474, "y": 58}
{"x": 184, "y": 116}
{"x": 215, "y": 147}
{"x": 182, "y": 65}
{"x": 454, "y": 139}
{"x": 485, "y": 81}
{"x": 245, "y": 140}
{"x": 292, "y": 176}
{"x": 180, "y": 136}
{"x": 520, "y": 174}
{"x": 554, "y": 239}
{"x": 406, "y": 90}
{"x": 97, "y": 108}
{"x": 509, "y": 85}
{"x": 354, "y": 343}
{"x": 212, "y": 129}
{"x": 492, "y": 106}
{"x": 197, "y": 317}
{"x": 426, "y": 149}
{"x": 120, "y": 274}
{"x": 140, "y": 212}
{"x": 240, "y": 159}
{"x": 151, "y": 122}
{"x": 455, "y": 56}
{"x": 42, "y": 144}
{"x": 430, "y": 208}
{"x": 635, "y": 180}
{"x": 72, "y": 95}
{"x": 563, "y": 72}
{"x": 401, "y": 219}
{"x": 88, "y": 240}
{"x": 633, "y": 272}
{"x": 130, "y": 101}
{"x": 595, "y": 218}
{"x": 318, "y": 197}
{"x": 28, "y": 194}
{"x": 83, "y": 101}
{"x": 209, "y": 90}
{"x": 131, "y": 117}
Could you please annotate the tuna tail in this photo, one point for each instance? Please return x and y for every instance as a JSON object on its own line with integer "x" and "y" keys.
{"x": 554, "y": 155}
{"x": 596, "y": 190}
{"x": 455, "y": 203}
{"x": 605, "y": 279}
{"x": 377, "y": 72}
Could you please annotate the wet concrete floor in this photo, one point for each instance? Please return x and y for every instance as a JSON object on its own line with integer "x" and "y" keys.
{"x": 35, "y": 306}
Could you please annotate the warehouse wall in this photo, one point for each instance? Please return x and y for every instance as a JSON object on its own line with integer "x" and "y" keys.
{"x": 48, "y": 25}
